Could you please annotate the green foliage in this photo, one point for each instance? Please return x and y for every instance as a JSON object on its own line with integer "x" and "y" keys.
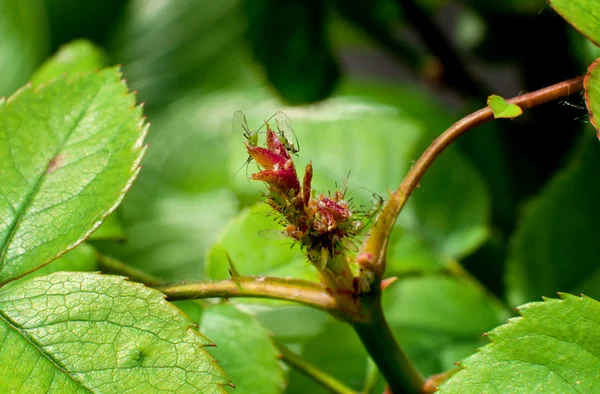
{"x": 237, "y": 335}
{"x": 551, "y": 240}
{"x": 298, "y": 59}
{"x": 79, "y": 332}
{"x": 66, "y": 168}
{"x": 502, "y": 109}
{"x": 552, "y": 347}
{"x": 73, "y": 19}
{"x": 171, "y": 48}
{"x": 76, "y": 57}
{"x": 256, "y": 246}
{"x": 583, "y": 15}
{"x": 71, "y": 144}
{"x": 439, "y": 320}
{"x": 339, "y": 353}
{"x": 23, "y": 42}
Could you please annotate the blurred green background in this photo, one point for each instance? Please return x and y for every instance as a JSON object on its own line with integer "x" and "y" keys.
{"x": 367, "y": 86}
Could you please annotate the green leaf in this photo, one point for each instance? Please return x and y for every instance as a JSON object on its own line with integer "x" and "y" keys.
{"x": 438, "y": 320}
{"x": 68, "y": 150}
{"x": 591, "y": 85}
{"x": 293, "y": 324}
{"x": 502, "y": 109}
{"x": 169, "y": 232}
{"x": 553, "y": 347}
{"x": 303, "y": 69}
{"x": 552, "y": 248}
{"x": 338, "y": 352}
{"x": 239, "y": 336}
{"x": 76, "y": 57}
{"x": 83, "y": 332}
{"x": 583, "y": 15}
{"x": 172, "y": 48}
{"x": 23, "y": 42}
{"x": 248, "y": 240}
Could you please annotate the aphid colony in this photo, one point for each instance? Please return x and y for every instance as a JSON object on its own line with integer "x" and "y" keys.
{"x": 323, "y": 225}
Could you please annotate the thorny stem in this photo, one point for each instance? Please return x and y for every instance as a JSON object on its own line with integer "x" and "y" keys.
{"x": 376, "y": 244}
{"x": 286, "y": 289}
{"x": 329, "y": 382}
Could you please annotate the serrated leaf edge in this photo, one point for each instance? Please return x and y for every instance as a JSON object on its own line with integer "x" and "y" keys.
{"x": 135, "y": 169}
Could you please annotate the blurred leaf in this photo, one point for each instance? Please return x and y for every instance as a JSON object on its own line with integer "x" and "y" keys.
{"x": 169, "y": 231}
{"x": 23, "y": 42}
{"x": 439, "y": 320}
{"x": 553, "y": 247}
{"x": 339, "y": 353}
{"x": 73, "y": 332}
{"x": 289, "y": 40}
{"x": 592, "y": 94}
{"x": 244, "y": 349}
{"x": 74, "y": 19}
{"x": 69, "y": 151}
{"x": 584, "y": 51}
{"x": 508, "y": 6}
{"x": 583, "y": 15}
{"x": 292, "y": 324}
{"x": 76, "y": 57}
{"x": 502, "y": 109}
{"x": 247, "y": 241}
{"x": 553, "y": 348}
{"x": 171, "y": 48}
{"x": 470, "y": 30}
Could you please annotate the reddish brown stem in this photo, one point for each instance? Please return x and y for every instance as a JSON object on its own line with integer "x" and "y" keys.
{"x": 376, "y": 244}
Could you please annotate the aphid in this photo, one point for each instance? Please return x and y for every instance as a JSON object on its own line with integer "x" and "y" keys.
{"x": 377, "y": 204}
{"x": 240, "y": 127}
{"x": 286, "y": 133}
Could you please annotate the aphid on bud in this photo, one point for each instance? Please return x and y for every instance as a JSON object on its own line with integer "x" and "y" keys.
{"x": 286, "y": 133}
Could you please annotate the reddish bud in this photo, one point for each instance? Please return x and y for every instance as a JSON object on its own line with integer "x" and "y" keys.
{"x": 266, "y": 158}
{"x": 282, "y": 180}
{"x": 306, "y": 184}
{"x": 338, "y": 211}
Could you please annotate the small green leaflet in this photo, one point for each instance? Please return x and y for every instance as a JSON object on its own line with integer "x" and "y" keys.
{"x": 554, "y": 347}
{"x": 502, "y": 109}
